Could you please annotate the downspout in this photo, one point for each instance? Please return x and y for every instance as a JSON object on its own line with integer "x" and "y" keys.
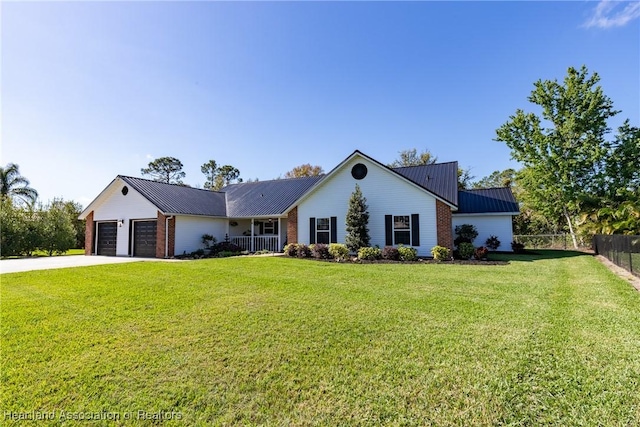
{"x": 166, "y": 235}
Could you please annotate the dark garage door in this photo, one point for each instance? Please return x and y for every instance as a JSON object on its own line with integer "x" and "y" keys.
{"x": 107, "y": 233}
{"x": 144, "y": 238}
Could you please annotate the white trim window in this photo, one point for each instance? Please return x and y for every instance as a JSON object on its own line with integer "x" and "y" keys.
{"x": 269, "y": 227}
{"x": 401, "y": 230}
{"x": 323, "y": 230}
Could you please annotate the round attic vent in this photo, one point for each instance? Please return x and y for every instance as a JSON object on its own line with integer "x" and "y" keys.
{"x": 125, "y": 190}
{"x": 359, "y": 171}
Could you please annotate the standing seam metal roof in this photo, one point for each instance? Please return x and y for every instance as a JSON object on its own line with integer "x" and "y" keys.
{"x": 439, "y": 178}
{"x": 178, "y": 199}
{"x": 263, "y": 198}
{"x": 487, "y": 200}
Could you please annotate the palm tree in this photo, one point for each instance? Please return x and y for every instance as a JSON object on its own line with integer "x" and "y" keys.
{"x": 14, "y": 185}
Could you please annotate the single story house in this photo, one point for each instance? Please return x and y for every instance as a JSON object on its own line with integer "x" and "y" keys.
{"x": 417, "y": 206}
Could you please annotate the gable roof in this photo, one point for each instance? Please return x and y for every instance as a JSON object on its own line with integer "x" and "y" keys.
{"x": 178, "y": 199}
{"x": 417, "y": 176}
{"x": 264, "y": 198}
{"x": 487, "y": 200}
{"x": 439, "y": 178}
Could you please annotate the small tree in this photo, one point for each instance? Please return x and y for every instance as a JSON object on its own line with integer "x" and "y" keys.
{"x": 165, "y": 169}
{"x": 466, "y": 233}
{"x": 357, "y": 221}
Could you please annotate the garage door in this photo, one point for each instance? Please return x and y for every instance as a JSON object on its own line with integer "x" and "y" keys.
{"x": 107, "y": 233}
{"x": 144, "y": 238}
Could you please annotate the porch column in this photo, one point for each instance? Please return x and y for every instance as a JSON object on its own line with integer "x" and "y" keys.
{"x": 252, "y": 238}
{"x": 279, "y": 231}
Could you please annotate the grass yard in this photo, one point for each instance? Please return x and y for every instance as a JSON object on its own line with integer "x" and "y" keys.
{"x": 552, "y": 339}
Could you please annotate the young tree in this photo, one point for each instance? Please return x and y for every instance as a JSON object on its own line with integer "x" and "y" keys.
{"x": 357, "y": 222}
{"x": 562, "y": 161}
{"x": 165, "y": 169}
{"x": 15, "y": 186}
{"x": 412, "y": 158}
{"x": 304, "y": 170}
{"x": 58, "y": 233}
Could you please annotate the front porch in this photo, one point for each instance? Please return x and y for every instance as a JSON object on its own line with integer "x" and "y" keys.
{"x": 258, "y": 234}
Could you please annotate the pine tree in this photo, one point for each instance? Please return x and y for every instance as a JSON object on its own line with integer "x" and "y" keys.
{"x": 357, "y": 221}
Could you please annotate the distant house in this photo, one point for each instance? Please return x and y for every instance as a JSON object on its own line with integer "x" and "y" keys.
{"x": 415, "y": 206}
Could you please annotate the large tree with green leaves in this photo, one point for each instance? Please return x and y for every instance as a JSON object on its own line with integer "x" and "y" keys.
{"x": 165, "y": 169}
{"x": 357, "y": 221}
{"x": 15, "y": 186}
{"x": 505, "y": 178}
{"x": 304, "y": 170}
{"x": 564, "y": 150}
{"x": 412, "y": 158}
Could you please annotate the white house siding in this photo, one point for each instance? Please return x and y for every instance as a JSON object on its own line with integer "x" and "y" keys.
{"x": 386, "y": 194}
{"x": 189, "y": 231}
{"x": 117, "y": 206}
{"x": 487, "y": 225}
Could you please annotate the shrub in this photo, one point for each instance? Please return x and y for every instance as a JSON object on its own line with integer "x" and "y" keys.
{"x": 407, "y": 253}
{"x": 338, "y": 251}
{"x": 466, "y": 250}
{"x": 225, "y": 247}
{"x": 291, "y": 249}
{"x": 517, "y": 247}
{"x": 226, "y": 254}
{"x": 441, "y": 253}
{"x": 197, "y": 253}
{"x": 492, "y": 242}
{"x": 208, "y": 240}
{"x": 320, "y": 251}
{"x": 481, "y": 252}
{"x": 369, "y": 253}
{"x": 390, "y": 253}
{"x": 303, "y": 251}
{"x": 466, "y": 234}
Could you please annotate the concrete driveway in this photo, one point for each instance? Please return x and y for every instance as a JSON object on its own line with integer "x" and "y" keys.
{"x": 47, "y": 263}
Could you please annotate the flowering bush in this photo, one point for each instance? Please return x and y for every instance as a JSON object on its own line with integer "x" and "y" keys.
{"x": 440, "y": 253}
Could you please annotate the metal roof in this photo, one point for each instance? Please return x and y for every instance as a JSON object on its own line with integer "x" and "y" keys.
{"x": 263, "y": 198}
{"x": 178, "y": 199}
{"x": 439, "y": 178}
{"x": 487, "y": 200}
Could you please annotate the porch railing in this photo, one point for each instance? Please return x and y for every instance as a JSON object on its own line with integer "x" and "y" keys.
{"x": 260, "y": 243}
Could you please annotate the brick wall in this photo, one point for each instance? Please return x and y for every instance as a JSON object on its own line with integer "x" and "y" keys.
{"x": 292, "y": 226}
{"x": 161, "y": 234}
{"x": 88, "y": 235}
{"x": 443, "y": 225}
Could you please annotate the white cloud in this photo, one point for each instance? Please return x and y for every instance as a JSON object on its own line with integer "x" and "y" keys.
{"x": 150, "y": 157}
{"x": 609, "y": 14}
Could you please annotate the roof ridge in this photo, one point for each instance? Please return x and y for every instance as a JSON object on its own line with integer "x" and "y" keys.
{"x": 428, "y": 164}
{"x": 166, "y": 183}
{"x": 486, "y": 188}
{"x": 277, "y": 179}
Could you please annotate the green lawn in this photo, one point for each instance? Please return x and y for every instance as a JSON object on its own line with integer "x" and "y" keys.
{"x": 544, "y": 340}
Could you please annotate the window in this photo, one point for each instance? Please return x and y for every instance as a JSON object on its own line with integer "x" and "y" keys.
{"x": 322, "y": 230}
{"x": 401, "y": 230}
{"x": 269, "y": 228}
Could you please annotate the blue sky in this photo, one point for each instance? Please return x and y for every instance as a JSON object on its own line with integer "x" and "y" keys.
{"x": 90, "y": 90}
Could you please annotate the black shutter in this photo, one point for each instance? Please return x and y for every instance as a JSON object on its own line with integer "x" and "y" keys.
{"x": 415, "y": 230}
{"x": 312, "y": 230}
{"x": 388, "y": 230}
{"x": 275, "y": 228}
{"x": 334, "y": 230}
{"x": 260, "y": 228}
